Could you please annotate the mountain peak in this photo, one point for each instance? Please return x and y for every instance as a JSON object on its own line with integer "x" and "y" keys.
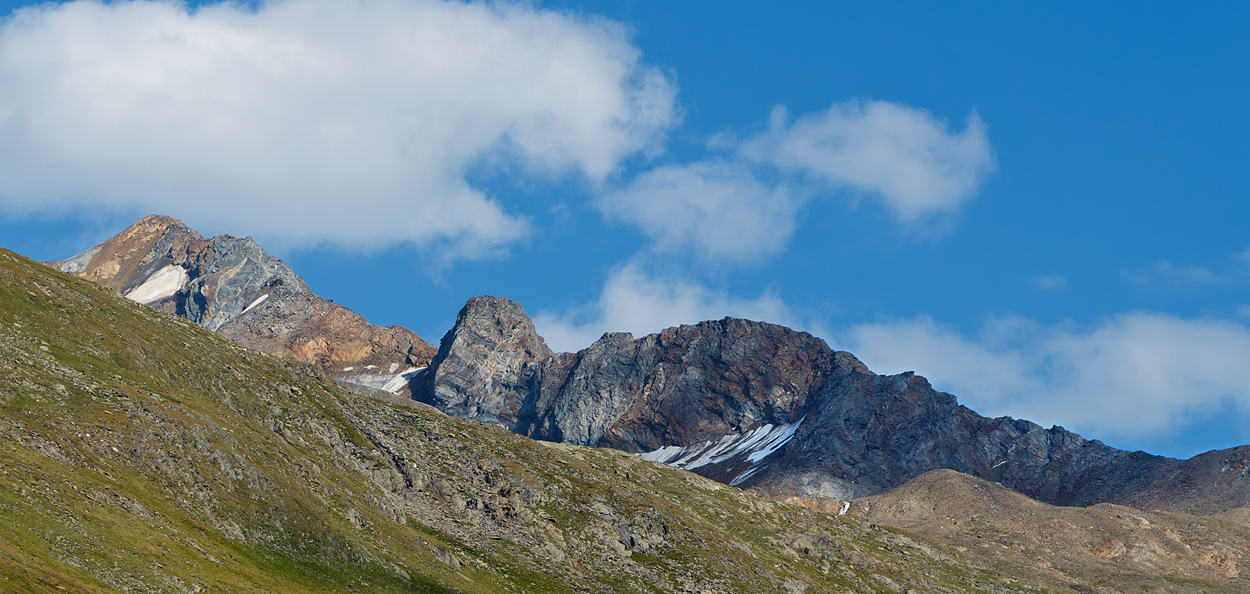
{"x": 230, "y": 285}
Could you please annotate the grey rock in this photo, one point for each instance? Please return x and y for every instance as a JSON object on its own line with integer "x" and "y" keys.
{"x": 488, "y": 364}
{"x": 230, "y": 285}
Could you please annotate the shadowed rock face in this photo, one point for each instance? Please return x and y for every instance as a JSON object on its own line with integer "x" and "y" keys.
{"x": 231, "y": 286}
{"x": 488, "y": 364}
{"x": 764, "y": 407}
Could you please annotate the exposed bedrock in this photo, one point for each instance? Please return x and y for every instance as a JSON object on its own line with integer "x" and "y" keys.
{"x": 764, "y": 407}
{"x": 230, "y": 285}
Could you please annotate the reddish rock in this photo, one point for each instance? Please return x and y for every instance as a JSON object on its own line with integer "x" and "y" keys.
{"x": 230, "y": 285}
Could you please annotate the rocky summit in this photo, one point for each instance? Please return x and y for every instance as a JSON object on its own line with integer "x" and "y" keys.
{"x": 766, "y": 408}
{"x": 230, "y": 285}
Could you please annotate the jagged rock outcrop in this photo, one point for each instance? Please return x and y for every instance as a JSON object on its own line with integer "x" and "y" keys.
{"x": 488, "y": 364}
{"x": 230, "y": 285}
{"x": 767, "y": 408}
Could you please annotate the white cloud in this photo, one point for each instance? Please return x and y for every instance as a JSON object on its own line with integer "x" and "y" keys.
{"x": 905, "y": 155}
{"x": 302, "y": 121}
{"x": 741, "y": 210}
{"x": 1140, "y": 376}
{"x": 718, "y": 209}
{"x": 634, "y": 301}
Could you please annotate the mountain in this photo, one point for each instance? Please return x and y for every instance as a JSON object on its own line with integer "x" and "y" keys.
{"x": 776, "y": 411}
{"x": 231, "y": 286}
{"x": 1122, "y": 547}
{"x": 749, "y": 404}
{"x": 144, "y": 453}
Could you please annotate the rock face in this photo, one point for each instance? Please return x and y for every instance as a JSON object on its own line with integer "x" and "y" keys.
{"x": 488, "y": 364}
{"x": 763, "y": 407}
{"x": 231, "y": 286}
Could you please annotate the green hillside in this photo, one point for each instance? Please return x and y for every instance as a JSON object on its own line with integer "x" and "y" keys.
{"x": 142, "y": 453}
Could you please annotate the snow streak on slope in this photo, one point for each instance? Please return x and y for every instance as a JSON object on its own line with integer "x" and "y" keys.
{"x": 754, "y": 445}
{"x": 399, "y": 381}
{"x": 164, "y": 283}
{"x": 258, "y": 301}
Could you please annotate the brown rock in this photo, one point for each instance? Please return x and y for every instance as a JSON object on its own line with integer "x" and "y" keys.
{"x": 230, "y": 285}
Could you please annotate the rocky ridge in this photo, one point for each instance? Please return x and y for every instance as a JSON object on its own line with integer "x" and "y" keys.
{"x": 776, "y": 411}
{"x": 230, "y": 285}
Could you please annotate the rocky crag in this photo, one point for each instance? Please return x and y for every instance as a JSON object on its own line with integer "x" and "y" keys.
{"x": 766, "y": 408}
{"x": 230, "y": 285}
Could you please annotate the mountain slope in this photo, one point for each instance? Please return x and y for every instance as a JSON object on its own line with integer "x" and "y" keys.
{"x": 766, "y": 408}
{"x": 1124, "y": 549}
{"x": 231, "y": 286}
{"x": 143, "y": 453}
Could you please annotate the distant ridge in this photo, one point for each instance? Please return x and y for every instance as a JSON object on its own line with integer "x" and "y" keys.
{"x": 1056, "y": 546}
{"x": 230, "y": 285}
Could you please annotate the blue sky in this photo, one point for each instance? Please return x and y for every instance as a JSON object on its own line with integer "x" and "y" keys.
{"x": 1051, "y": 223}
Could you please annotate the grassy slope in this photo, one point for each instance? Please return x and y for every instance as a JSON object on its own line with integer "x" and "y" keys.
{"x": 142, "y": 453}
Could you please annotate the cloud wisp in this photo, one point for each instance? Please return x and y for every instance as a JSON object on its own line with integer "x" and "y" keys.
{"x": 743, "y": 207}
{"x": 1141, "y": 377}
{"x": 1050, "y": 282}
{"x": 311, "y": 121}
{"x": 1163, "y": 273}
{"x": 717, "y": 209}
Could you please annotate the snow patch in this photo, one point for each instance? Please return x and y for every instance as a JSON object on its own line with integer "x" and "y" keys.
{"x": 79, "y": 263}
{"x": 258, "y": 301}
{"x": 164, "y": 283}
{"x": 755, "y": 445}
{"x": 744, "y": 476}
{"x": 398, "y": 382}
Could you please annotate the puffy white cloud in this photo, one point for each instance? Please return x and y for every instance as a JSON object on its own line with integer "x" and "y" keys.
{"x": 904, "y": 155}
{"x": 745, "y": 208}
{"x": 1141, "y": 377}
{"x": 637, "y": 302}
{"x": 301, "y": 121}
{"x": 718, "y": 209}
